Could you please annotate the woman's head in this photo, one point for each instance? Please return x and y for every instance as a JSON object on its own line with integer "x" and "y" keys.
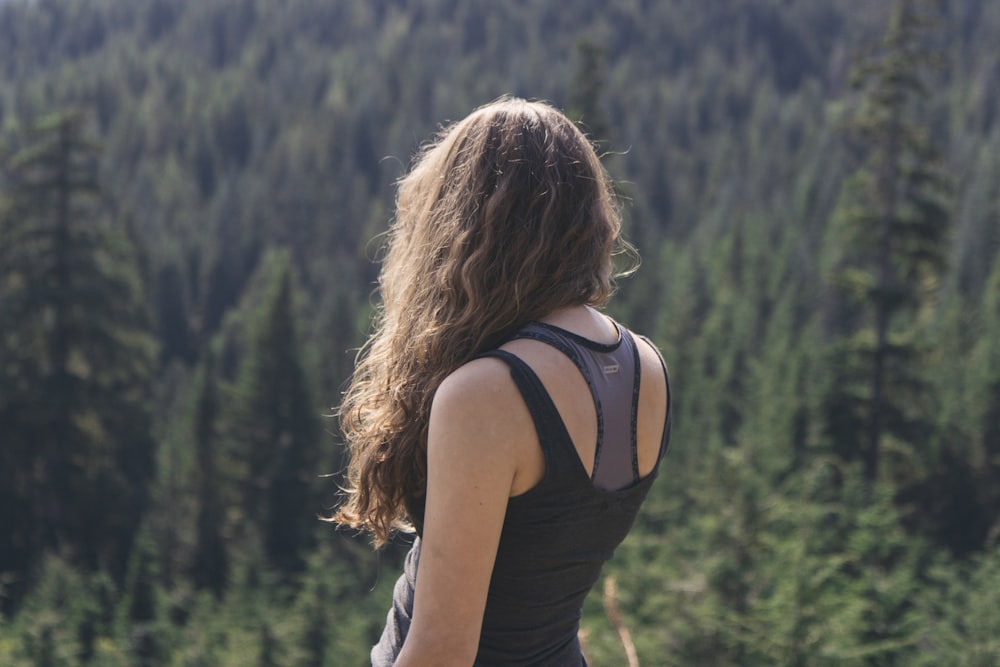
{"x": 507, "y": 217}
{"x": 509, "y": 211}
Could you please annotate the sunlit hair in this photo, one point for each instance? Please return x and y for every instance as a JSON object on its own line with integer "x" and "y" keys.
{"x": 505, "y": 218}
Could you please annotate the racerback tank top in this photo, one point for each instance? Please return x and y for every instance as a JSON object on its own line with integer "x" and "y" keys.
{"x": 557, "y": 535}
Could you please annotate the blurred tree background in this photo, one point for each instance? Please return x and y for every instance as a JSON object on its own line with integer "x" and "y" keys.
{"x": 188, "y": 196}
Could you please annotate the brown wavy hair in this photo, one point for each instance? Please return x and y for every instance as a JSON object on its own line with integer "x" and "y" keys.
{"x": 507, "y": 216}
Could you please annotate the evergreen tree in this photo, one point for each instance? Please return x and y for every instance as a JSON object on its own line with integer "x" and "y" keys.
{"x": 314, "y": 606}
{"x": 210, "y": 561}
{"x": 893, "y": 221}
{"x": 960, "y": 608}
{"x": 177, "y": 340}
{"x": 269, "y": 648}
{"x": 587, "y": 91}
{"x": 140, "y": 604}
{"x": 275, "y": 425}
{"x": 984, "y": 378}
{"x": 76, "y": 352}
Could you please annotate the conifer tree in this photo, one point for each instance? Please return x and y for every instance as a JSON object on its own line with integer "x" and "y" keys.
{"x": 139, "y": 613}
{"x": 210, "y": 562}
{"x": 269, "y": 650}
{"x": 587, "y": 92}
{"x": 76, "y": 351}
{"x": 313, "y": 605}
{"x": 985, "y": 367}
{"x": 275, "y": 426}
{"x": 893, "y": 222}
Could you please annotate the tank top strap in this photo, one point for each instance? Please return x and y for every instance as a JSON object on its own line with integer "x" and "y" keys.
{"x": 548, "y": 422}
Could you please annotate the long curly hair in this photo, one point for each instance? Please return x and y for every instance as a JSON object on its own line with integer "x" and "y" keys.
{"x": 507, "y": 216}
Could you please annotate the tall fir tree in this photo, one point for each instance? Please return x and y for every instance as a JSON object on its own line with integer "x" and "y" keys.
{"x": 139, "y": 607}
{"x": 587, "y": 91}
{"x": 984, "y": 377}
{"x": 892, "y": 221}
{"x": 77, "y": 355}
{"x": 275, "y": 426}
{"x": 210, "y": 566}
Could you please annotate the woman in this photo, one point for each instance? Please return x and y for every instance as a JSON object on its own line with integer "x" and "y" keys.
{"x": 495, "y": 412}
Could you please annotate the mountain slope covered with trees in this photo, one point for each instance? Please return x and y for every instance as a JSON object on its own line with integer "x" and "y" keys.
{"x": 191, "y": 195}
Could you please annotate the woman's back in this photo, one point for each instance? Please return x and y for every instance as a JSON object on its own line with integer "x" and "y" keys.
{"x": 596, "y": 428}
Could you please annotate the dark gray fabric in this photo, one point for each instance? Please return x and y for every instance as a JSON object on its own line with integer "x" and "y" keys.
{"x": 397, "y": 623}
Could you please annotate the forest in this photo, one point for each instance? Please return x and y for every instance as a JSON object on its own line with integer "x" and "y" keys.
{"x": 192, "y": 198}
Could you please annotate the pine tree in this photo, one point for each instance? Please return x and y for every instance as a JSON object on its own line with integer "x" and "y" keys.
{"x": 893, "y": 221}
{"x": 313, "y": 605}
{"x": 587, "y": 91}
{"x": 140, "y": 605}
{"x": 269, "y": 647}
{"x": 210, "y": 561}
{"x": 76, "y": 351}
{"x": 275, "y": 427}
{"x": 984, "y": 363}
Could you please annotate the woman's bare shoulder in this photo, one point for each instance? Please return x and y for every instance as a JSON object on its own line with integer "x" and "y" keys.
{"x": 480, "y": 397}
{"x": 471, "y": 465}
{"x": 476, "y": 385}
{"x": 653, "y": 367}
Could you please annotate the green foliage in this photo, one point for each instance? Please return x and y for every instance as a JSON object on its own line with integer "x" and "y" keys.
{"x": 67, "y": 619}
{"x": 221, "y": 277}
{"x": 587, "y": 89}
{"x": 273, "y": 425}
{"x": 961, "y": 608}
{"x": 210, "y": 565}
{"x": 893, "y": 217}
{"x": 77, "y": 358}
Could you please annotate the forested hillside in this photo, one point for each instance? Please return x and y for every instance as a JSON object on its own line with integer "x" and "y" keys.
{"x": 191, "y": 193}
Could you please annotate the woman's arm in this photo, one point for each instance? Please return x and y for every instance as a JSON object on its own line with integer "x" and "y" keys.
{"x": 479, "y": 427}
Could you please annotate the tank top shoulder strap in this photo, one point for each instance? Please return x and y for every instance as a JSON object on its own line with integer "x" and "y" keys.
{"x": 548, "y": 423}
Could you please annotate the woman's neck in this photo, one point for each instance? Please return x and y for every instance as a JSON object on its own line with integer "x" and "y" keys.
{"x": 584, "y": 321}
